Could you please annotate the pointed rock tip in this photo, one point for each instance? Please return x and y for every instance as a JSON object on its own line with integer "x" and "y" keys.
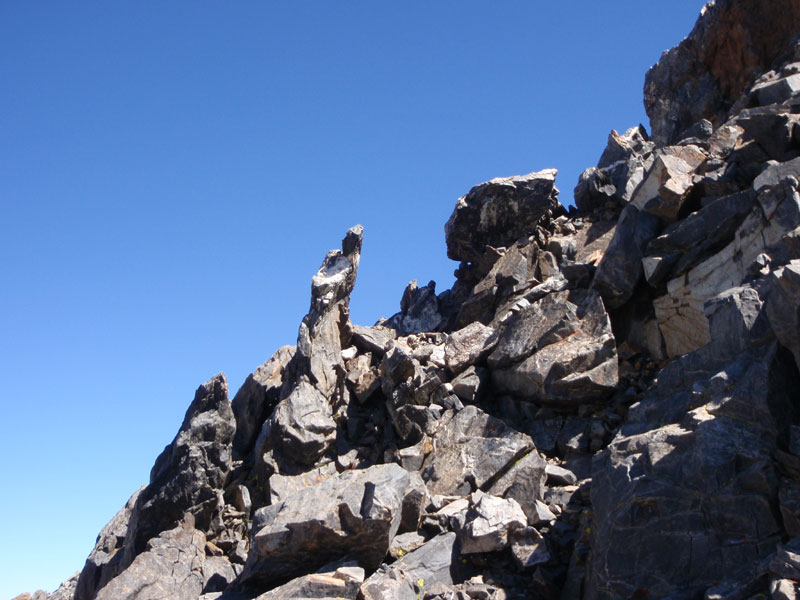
{"x": 217, "y": 381}
{"x": 351, "y": 244}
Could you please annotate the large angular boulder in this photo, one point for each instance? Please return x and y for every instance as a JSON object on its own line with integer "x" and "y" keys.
{"x": 303, "y": 425}
{"x": 618, "y": 173}
{"x": 171, "y": 567}
{"x": 190, "y": 471}
{"x": 489, "y": 523}
{"x": 667, "y": 184}
{"x": 373, "y": 339}
{"x": 691, "y": 240}
{"x": 472, "y": 450}
{"x": 559, "y": 349}
{"x": 467, "y": 346}
{"x": 499, "y": 212}
{"x": 732, "y": 42}
{"x": 355, "y": 513}
{"x": 409, "y": 577}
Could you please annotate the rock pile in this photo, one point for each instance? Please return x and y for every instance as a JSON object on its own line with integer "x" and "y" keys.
{"x": 604, "y": 405}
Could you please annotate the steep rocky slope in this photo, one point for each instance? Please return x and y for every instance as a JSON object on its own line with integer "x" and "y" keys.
{"x": 605, "y": 405}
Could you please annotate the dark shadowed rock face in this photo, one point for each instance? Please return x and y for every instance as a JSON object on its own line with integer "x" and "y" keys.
{"x": 188, "y": 472}
{"x": 701, "y": 78}
{"x": 257, "y": 398}
{"x": 499, "y": 212}
{"x": 695, "y": 498}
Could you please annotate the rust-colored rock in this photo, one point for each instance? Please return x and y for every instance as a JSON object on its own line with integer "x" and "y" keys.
{"x": 731, "y": 44}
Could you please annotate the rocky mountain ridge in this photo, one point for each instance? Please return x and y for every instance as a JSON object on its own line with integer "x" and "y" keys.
{"x": 604, "y": 405}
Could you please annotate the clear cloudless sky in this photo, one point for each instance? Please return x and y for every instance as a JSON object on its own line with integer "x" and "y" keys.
{"x": 172, "y": 174}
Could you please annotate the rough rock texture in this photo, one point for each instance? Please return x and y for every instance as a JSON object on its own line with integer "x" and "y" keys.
{"x": 105, "y": 561}
{"x": 170, "y": 568}
{"x": 490, "y": 521}
{"x": 342, "y": 582}
{"x": 559, "y": 349}
{"x": 302, "y": 425}
{"x": 357, "y": 512}
{"x": 604, "y": 405}
{"x": 783, "y": 307}
{"x": 732, "y": 42}
{"x": 256, "y": 399}
{"x": 410, "y": 576}
{"x": 188, "y": 472}
{"x": 703, "y": 487}
{"x": 471, "y": 451}
{"x": 499, "y": 212}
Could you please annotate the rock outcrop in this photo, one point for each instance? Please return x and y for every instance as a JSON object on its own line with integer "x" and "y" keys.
{"x": 604, "y": 405}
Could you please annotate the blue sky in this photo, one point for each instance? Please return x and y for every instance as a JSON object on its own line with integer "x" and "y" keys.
{"x": 171, "y": 175}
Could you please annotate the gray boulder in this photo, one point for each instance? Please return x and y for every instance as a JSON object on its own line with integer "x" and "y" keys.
{"x": 668, "y": 182}
{"x": 67, "y": 589}
{"x": 419, "y": 310}
{"x": 218, "y": 573}
{"x": 302, "y": 425}
{"x": 490, "y": 522}
{"x": 471, "y": 450}
{"x": 409, "y": 577}
{"x": 169, "y": 569}
{"x": 681, "y": 311}
{"x": 356, "y": 512}
{"x": 621, "y": 148}
{"x": 690, "y": 240}
{"x": 775, "y": 172}
{"x": 466, "y": 385}
{"x": 529, "y": 548}
{"x": 467, "y": 346}
{"x": 342, "y": 583}
{"x": 777, "y": 90}
{"x": 559, "y": 349}
{"x": 282, "y": 487}
{"x": 773, "y": 129}
{"x": 373, "y": 339}
{"x": 362, "y": 377}
{"x": 523, "y": 482}
{"x": 499, "y": 212}
{"x": 618, "y": 173}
